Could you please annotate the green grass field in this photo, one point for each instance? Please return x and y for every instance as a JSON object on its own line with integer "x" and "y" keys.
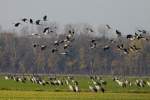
{"x": 12, "y": 90}
{"x": 35, "y": 95}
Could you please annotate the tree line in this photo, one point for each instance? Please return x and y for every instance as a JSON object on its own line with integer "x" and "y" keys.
{"x": 17, "y": 55}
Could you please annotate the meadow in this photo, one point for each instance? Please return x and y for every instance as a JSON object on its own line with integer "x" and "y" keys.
{"x": 35, "y": 95}
{"x": 12, "y": 90}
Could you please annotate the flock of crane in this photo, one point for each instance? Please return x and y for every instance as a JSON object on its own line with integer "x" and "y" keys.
{"x": 66, "y": 42}
{"x": 69, "y": 81}
{"x": 121, "y": 46}
{"x": 96, "y": 83}
{"x": 69, "y": 38}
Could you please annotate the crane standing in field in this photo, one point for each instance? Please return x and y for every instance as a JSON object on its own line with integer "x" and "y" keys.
{"x": 97, "y": 84}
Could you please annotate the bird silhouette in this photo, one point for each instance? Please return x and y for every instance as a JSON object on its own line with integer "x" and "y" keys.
{"x": 126, "y": 51}
{"x": 17, "y": 24}
{"x": 35, "y": 45}
{"x": 93, "y": 40}
{"x": 46, "y": 30}
{"x": 140, "y": 37}
{"x": 106, "y": 47}
{"x": 62, "y": 41}
{"x": 108, "y": 26}
{"x": 66, "y": 46}
{"x": 56, "y": 43}
{"x": 118, "y": 33}
{"x": 144, "y": 31}
{"x": 131, "y": 49}
{"x": 139, "y": 30}
{"x": 71, "y": 31}
{"x": 130, "y": 37}
{"x": 24, "y": 19}
{"x": 89, "y": 29}
{"x": 134, "y": 46}
{"x": 31, "y": 21}
{"x": 93, "y": 43}
{"x": 45, "y": 18}
{"x": 43, "y": 47}
{"x": 54, "y": 50}
{"x": 120, "y": 47}
{"x": 37, "y": 22}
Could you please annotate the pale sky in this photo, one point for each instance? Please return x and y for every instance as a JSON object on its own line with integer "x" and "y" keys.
{"x": 124, "y": 15}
